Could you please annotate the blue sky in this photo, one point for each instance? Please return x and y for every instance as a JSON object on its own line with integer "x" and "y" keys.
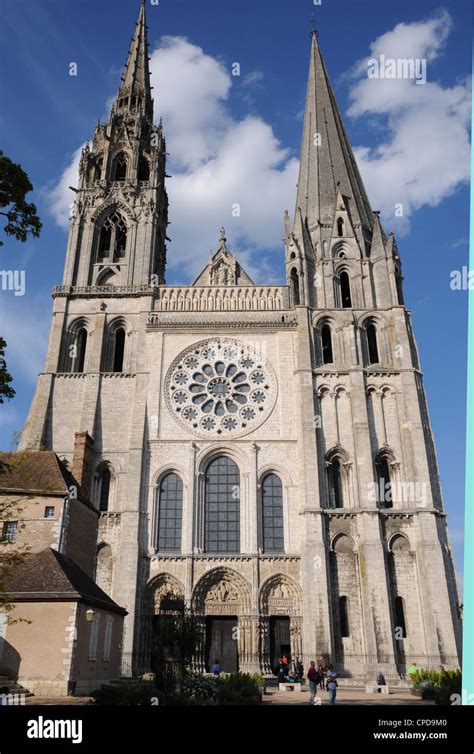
{"x": 237, "y": 139}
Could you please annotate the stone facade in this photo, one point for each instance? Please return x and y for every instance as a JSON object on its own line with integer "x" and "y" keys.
{"x": 316, "y": 383}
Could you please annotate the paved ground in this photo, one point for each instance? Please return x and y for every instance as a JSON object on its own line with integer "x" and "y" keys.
{"x": 74, "y": 700}
{"x": 344, "y": 697}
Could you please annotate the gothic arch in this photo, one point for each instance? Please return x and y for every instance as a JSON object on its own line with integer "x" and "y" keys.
{"x": 238, "y": 456}
{"x": 338, "y": 478}
{"x": 111, "y": 358}
{"x": 341, "y": 248}
{"x": 104, "y": 567}
{"x": 162, "y": 590}
{"x": 76, "y": 346}
{"x": 222, "y": 591}
{"x": 326, "y": 345}
{"x": 105, "y": 481}
{"x": 169, "y": 468}
{"x": 399, "y": 542}
{"x": 280, "y": 595}
{"x": 278, "y": 470}
{"x": 342, "y": 542}
{"x": 104, "y": 210}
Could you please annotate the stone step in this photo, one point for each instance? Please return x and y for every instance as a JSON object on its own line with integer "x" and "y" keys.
{"x": 14, "y": 687}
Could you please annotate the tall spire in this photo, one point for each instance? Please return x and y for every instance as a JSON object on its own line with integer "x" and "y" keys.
{"x": 327, "y": 162}
{"x": 135, "y": 90}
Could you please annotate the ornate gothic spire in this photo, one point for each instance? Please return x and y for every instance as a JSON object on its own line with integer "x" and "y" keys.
{"x": 135, "y": 90}
{"x": 327, "y": 161}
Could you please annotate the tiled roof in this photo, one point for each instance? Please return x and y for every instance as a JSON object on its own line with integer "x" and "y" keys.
{"x": 34, "y": 471}
{"x": 49, "y": 576}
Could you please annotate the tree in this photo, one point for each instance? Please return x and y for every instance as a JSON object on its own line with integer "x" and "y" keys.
{"x": 11, "y": 555}
{"x": 6, "y": 390}
{"x": 21, "y": 218}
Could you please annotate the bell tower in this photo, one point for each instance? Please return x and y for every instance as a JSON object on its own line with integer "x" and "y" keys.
{"x": 118, "y": 226}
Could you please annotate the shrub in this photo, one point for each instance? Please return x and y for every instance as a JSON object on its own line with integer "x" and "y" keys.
{"x": 127, "y": 695}
{"x": 437, "y": 685}
{"x": 198, "y": 690}
{"x": 235, "y": 688}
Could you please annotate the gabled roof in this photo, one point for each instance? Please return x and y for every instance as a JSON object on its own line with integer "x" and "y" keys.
{"x": 49, "y": 576}
{"x": 38, "y": 471}
{"x": 223, "y": 268}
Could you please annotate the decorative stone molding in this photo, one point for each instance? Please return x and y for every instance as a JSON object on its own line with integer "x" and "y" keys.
{"x": 222, "y": 297}
{"x": 102, "y": 290}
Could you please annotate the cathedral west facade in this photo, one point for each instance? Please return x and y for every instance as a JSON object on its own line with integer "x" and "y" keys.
{"x": 261, "y": 454}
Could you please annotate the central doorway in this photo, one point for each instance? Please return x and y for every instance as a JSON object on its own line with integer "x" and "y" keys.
{"x": 280, "y": 642}
{"x": 221, "y": 643}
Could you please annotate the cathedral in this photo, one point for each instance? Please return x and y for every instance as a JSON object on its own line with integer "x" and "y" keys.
{"x": 261, "y": 454}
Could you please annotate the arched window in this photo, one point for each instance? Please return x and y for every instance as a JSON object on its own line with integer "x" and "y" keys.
{"x": 343, "y": 616}
{"x": 222, "y": 506}
{"x": 400, "y": 624}
{"x": 340, "y": 227}
{"x": 98, "y": 170}
{"x": 104, "y": 489}
{"x": 326, "y": 344}
{"x": 345, "y": 290}
{"x": 372, "y": 348}
{"x": 335, "y": 483}
{"x": 295, "y": 287}
{"x": 79, "y": 350}
{"x": 104, "y": 566}
{"x": 272, "y": 514}
{"x": 399, "y": 284}
{"x": 119, "y": 349}
{"x": 119, "y": 170}
{"x": 112, "y": 237}
{"x": 143, "y": 169}
{"x": 170, "y": 514}
{"x": 384, "y": 485}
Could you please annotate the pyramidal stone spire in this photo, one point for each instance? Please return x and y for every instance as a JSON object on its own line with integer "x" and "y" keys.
{"x": 135, "y": 90}
{"x": 327, "y": 163}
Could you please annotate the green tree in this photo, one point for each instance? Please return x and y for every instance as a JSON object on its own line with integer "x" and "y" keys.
{"x": 6, "y": 390}
{"x": 21, "y": 218}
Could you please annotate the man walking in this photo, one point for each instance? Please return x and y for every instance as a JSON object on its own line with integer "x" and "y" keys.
{"x": 313, "y": 680}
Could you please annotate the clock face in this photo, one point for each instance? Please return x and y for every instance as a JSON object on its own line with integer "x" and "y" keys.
{"x": 221, "y": 387}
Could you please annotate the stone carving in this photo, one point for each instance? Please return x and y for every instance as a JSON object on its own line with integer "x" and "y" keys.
{"x": 222, "y": 592}
{"x": 280, "y": 596}
{"x": 164, "y": 588}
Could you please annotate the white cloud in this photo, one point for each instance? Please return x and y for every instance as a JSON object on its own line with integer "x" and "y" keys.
{"x": 60, "y": 198}
{"x": 426, "y": 153}
{"x": 26, "y": 334}
{"x": 218, "y": 162}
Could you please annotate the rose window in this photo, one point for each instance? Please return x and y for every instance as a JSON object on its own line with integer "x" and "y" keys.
{"x": 221, "y": 387}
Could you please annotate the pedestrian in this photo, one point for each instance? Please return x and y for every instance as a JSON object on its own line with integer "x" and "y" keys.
{"x": 313, "y": 680}
{"x": 322, "y": 672}
{"x": 299, "y": 668}
{"x": 413, "y": 672}
{"x": 216, "y": 669}
{"x": 331, "y": 684}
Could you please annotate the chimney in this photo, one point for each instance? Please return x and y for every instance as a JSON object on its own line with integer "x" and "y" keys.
{"x": 82, "y": 462}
